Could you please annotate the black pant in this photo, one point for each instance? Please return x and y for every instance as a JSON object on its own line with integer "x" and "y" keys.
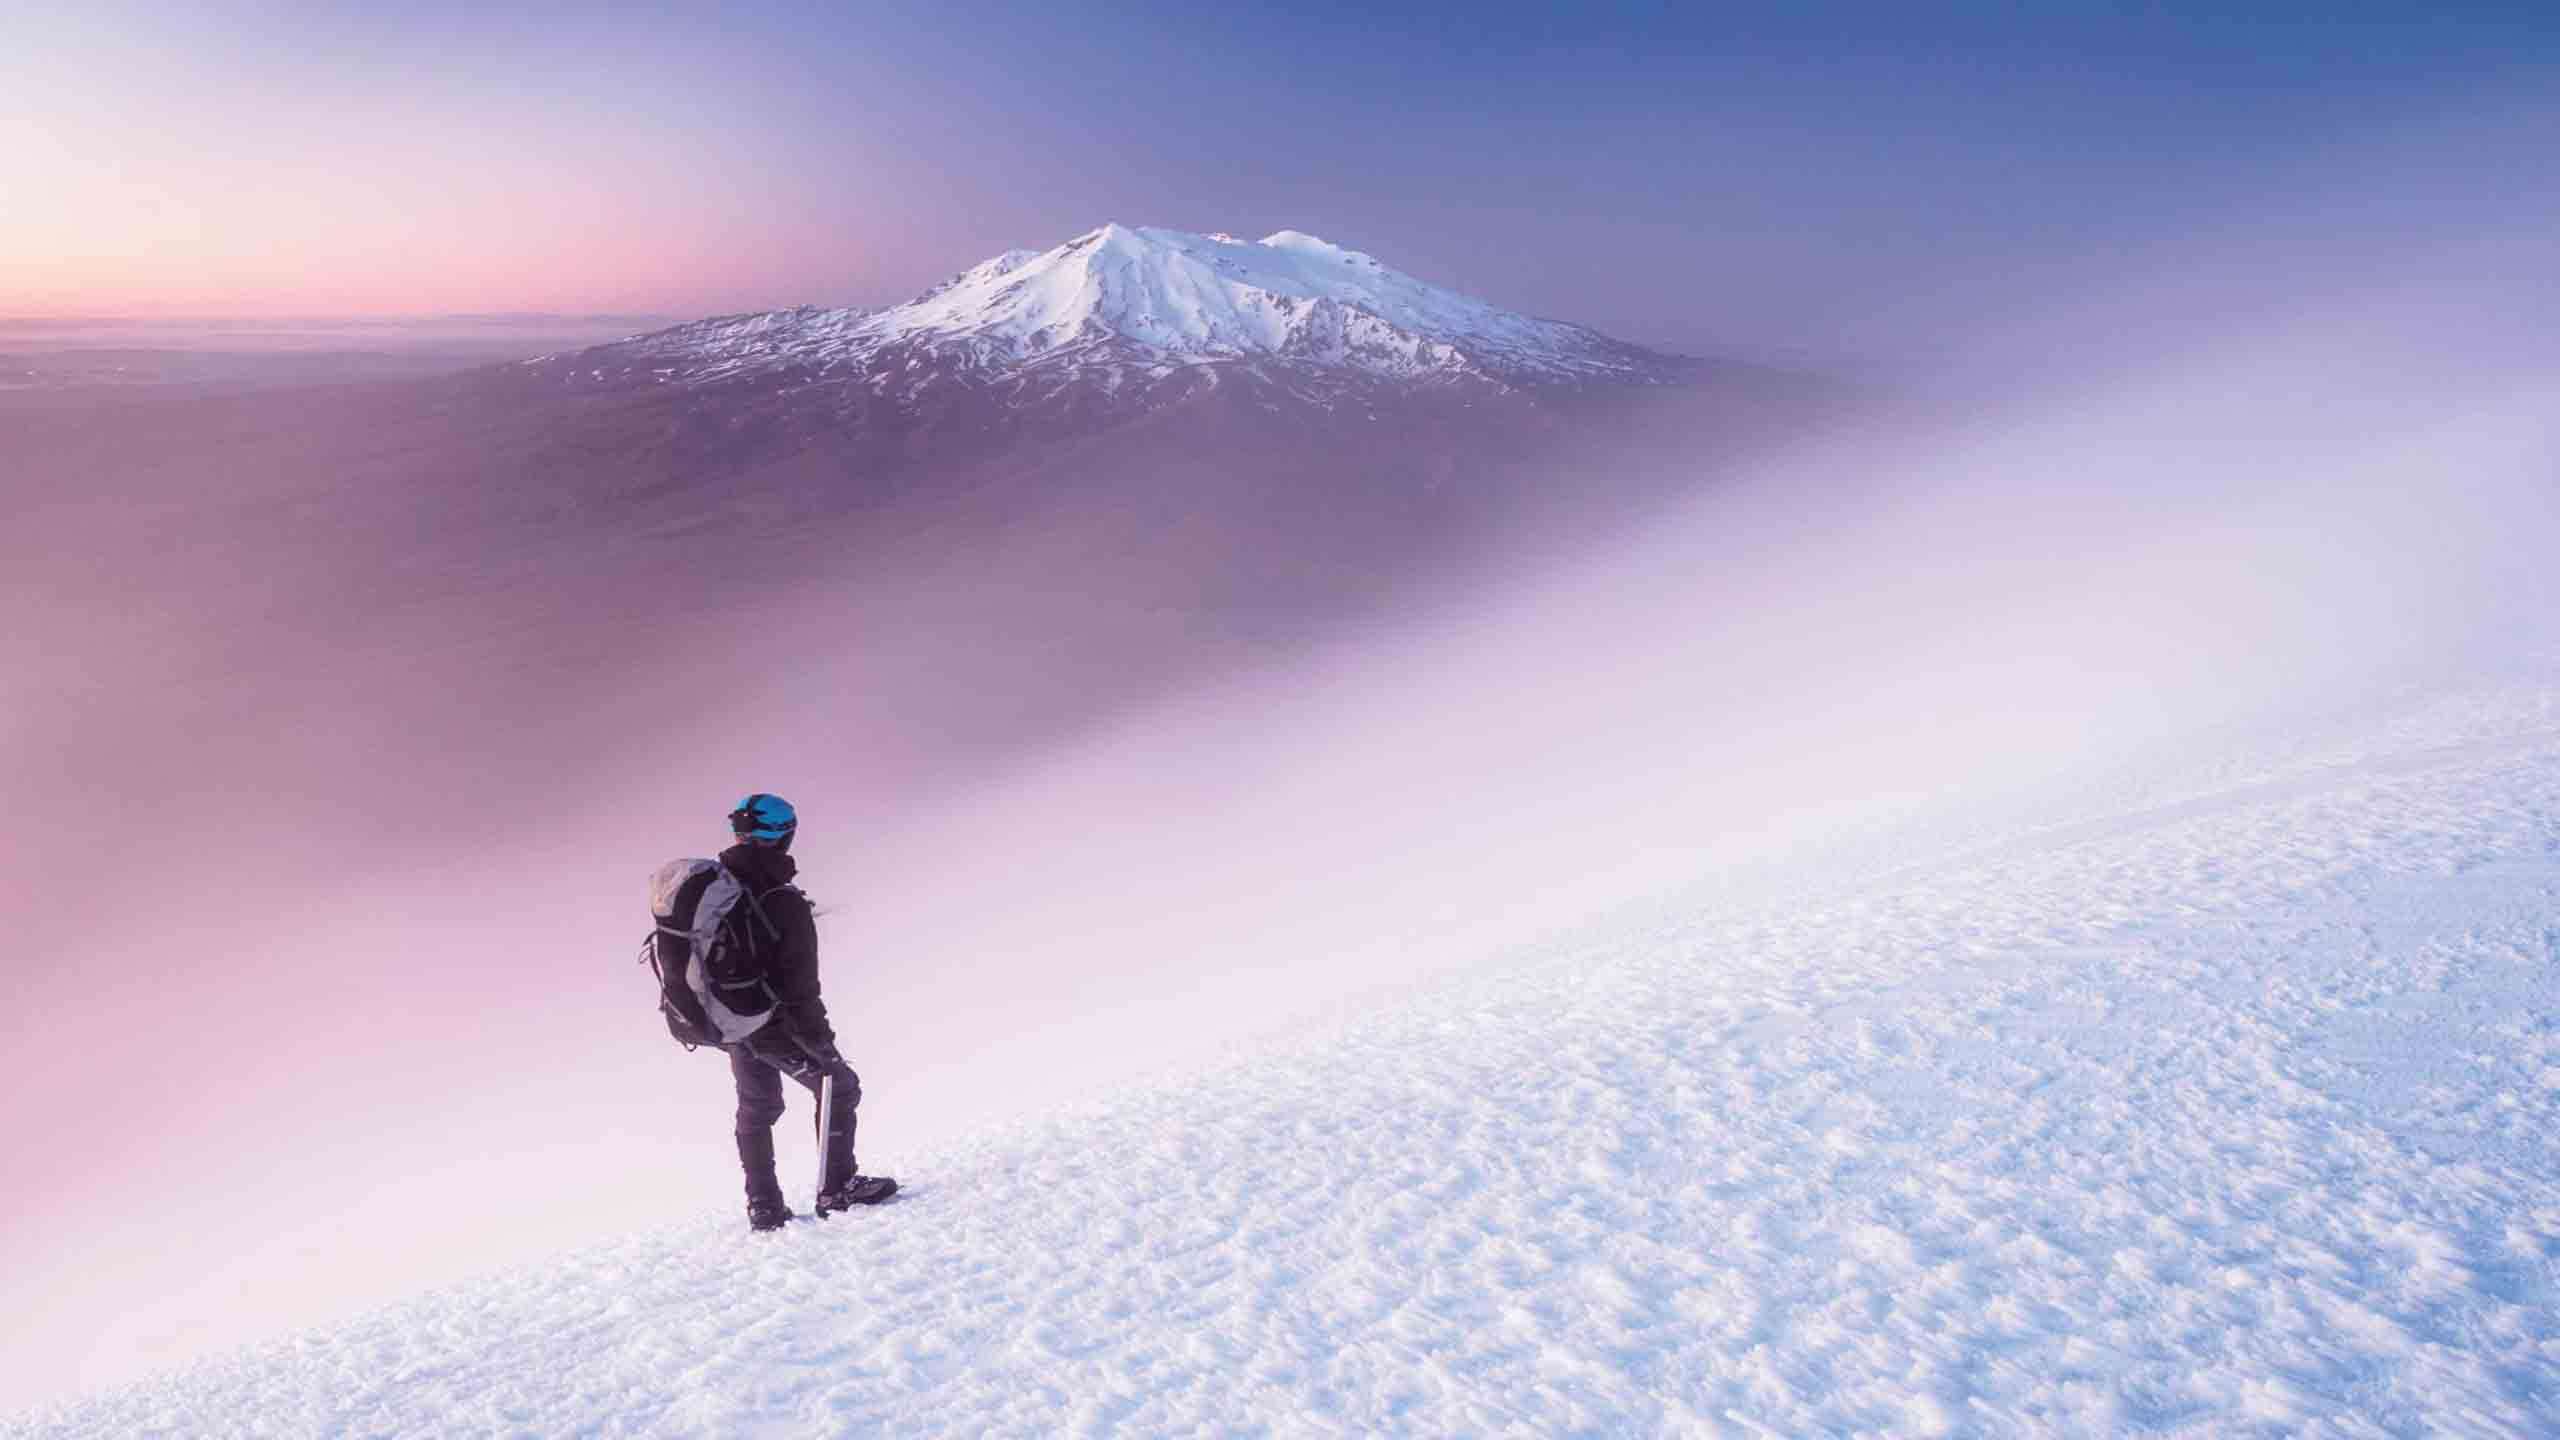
{"x": 758, "y": 1064}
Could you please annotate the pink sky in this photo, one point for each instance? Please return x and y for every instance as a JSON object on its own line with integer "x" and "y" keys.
{"x": 174, "y": 164}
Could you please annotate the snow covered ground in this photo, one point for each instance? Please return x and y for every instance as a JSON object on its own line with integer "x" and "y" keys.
{"x": 2224, "y": 1103}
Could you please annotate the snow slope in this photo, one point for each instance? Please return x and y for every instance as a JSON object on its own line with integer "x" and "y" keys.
{"x": 1121, "y": 303}
{"x": 2232, "y": 1110}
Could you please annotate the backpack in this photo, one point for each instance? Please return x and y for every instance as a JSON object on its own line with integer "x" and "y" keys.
{"x": 709, "y": 950}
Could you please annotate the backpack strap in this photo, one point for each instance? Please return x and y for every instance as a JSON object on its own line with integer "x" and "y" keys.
{"x": 755, "y": 904}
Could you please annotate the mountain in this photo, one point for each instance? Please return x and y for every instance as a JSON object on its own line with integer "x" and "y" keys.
{"x": 1272, "y": 427}
{"x": 1144, "y": 316}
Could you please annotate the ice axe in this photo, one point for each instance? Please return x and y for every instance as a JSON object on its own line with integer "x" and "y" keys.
{"x": 826, "y": 1128}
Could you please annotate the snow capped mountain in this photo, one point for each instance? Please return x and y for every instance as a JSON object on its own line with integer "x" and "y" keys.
{"x": 1119, "y": 307}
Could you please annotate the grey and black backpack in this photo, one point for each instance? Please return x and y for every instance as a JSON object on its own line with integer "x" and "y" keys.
{"x": 710, "y": 949}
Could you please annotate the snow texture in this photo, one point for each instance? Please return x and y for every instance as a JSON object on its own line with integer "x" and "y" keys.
{"x": 2232, "y": 1109}
{"x": 1118, "y": 303}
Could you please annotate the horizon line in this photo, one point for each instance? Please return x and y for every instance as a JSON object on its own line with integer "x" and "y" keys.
{"x": 351, "y": 318}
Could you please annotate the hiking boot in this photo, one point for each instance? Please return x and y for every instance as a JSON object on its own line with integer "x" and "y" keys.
{"x": 763, "y": 1216}
{"x": 859, "y": 1190}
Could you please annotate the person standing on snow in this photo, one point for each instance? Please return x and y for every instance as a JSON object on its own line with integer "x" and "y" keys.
{"x": 797, "y": 1042}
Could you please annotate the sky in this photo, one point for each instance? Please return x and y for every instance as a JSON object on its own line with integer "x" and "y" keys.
{"x": 1850, "y": 180}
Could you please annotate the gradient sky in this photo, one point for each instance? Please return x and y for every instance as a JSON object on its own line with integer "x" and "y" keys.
{"x": 1845, "y": 179}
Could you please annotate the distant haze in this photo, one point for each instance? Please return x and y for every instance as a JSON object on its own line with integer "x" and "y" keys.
{"x": 250, "y": 353}
{"x": 488, "y": 336}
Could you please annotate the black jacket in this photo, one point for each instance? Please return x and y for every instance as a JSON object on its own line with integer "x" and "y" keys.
{"x": 793, "y": 959}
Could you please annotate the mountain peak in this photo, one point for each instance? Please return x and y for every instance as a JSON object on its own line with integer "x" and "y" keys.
{"x": 1121, "y": 299}
{"x": 1191, "y": 298}
{"x": 1314, "y": 246}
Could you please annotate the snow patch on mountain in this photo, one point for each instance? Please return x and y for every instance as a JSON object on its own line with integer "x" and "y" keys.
{"x": 1120, "y": 300}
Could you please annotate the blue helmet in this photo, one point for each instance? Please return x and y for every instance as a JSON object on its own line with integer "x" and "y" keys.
{"x": 764, "y": 820}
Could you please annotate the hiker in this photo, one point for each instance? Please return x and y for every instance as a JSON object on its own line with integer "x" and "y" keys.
{"x": 796, "y": 1041}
